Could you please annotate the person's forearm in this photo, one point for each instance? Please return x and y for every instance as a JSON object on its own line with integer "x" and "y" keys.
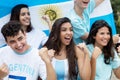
{"x": 85, "y": 36}
{"x": 1, "y": 79}
{"x": 84, "y": 67}
{"x": 93, "y": 68}
{"x": 50, "y": 26}
{"x": 51, "y": 75}
{"x": 86, "y": 70}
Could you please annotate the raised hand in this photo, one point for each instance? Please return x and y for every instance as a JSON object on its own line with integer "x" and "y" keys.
{"x": 47, "y": 19}
{"x": 3, "y": 71}
{"x": 115, "y": 38}
{"x": 83, "y": 47}
{"x": 46, "y": 54}
{"x": 97, "y": 51}
{"x": 51, "y": 53}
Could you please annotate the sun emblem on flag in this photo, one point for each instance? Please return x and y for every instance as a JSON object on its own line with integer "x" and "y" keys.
{"x": 52, "y": 14}
{"x": 53, "y": 11}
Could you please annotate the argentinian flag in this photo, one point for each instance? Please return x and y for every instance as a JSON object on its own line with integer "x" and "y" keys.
{"x": 104, "y": 11}
{"x": 55, "y": 9}
{"x": 38, "y": 8}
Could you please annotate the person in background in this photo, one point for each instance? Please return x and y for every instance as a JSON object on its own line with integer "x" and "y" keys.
{"x": 35, "y": 37}
{"x": 68, "y": 59}
{"x": 117, "y": 47}
{"x": 104, "y": 59}
{"x": 80, "y": 18}
{"x": 24, "y": 61}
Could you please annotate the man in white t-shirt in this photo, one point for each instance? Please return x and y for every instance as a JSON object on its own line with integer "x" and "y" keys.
{"x": 22, "y": 62}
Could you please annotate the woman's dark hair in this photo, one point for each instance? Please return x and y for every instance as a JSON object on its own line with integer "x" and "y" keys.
{"x": 15, "y": 14}
{"x": 108, "y": 49}
{"x": 54, "y": 42}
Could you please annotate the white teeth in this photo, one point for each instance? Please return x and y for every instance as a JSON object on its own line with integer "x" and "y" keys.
{"x": 67, "y": 38}
{"x": 105, "y": 41}
{"x": 27, "y": 21}
{"x": 20, "y": 48}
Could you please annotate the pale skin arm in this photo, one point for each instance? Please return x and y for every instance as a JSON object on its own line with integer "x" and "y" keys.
{"x": 118, "y": 49}
{"x": 47, "y": 19}
{"x": 51, "y": 75}
{"x": 3, "y": 71}
{"x": 83, "y": 63}
{"x": 115, "y": 38}
{"x": 117, "y": 71}
{"x": 97, "y": 51}
{"x": 98, "y": 2}
{"x": 85, "y": 36}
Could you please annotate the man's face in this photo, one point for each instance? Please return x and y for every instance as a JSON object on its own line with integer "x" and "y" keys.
{"x": 18, "y": 43}
{"x": 82, "y": 4}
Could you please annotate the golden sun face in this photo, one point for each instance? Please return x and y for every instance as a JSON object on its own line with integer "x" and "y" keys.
{"x": 53, "y": 11}
{"x": 52, "y": 14}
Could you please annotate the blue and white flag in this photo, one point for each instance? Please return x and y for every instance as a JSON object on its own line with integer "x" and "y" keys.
{"x": 55, "y": 9}
{"x": 104, "y": 11}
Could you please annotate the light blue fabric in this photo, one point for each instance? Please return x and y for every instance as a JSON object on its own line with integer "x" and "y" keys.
{"x": 61, "y": 68}
{"x": 81, "y": 26}
{"x": 103, "y": 71}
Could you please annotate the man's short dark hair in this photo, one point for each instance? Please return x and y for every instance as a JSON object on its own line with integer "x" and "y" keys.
{"x": 11, "y": 28}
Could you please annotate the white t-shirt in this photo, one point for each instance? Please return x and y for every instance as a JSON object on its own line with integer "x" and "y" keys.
{"x": 36, "y": 38}
{"x": 26, "y": 66}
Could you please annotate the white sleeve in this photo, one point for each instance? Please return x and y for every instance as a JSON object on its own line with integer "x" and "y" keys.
{"x": 1, "y": 56}
{"x": 42, "y": 70}
{"x": 116, "y": 61}
{"x": 44, "y": 38}
{"x": 2, "y": 41}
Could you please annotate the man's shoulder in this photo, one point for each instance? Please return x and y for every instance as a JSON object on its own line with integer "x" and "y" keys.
{"x": 5, "y": 48}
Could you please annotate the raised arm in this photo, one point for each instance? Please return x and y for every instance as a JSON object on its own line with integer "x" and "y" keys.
{"x": 51, "y": 75}
{"x": 97, "y": 51}
{"x": 98, "y": 2}
{"x": 3, "y": 71}
{"x": 47, "y": 20}
{"x": 83, "y": 63}
{"x": 116, "y": 38}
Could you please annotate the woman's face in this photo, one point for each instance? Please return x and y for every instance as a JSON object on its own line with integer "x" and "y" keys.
{"x": 102, "y": 37}
{"x": 24, "y": 17}
{"x": 66, "y": 33}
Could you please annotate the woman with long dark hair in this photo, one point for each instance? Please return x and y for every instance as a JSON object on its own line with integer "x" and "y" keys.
{"x": 68, "y": 59}
{"x": 35, "y": 37}
{"x": 101, "y": 48}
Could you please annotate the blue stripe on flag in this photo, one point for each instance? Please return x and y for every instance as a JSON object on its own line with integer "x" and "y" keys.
{"x": 6, "y": 5}
{"x": 109, "y": 18}
{"x": 47, "y": 32}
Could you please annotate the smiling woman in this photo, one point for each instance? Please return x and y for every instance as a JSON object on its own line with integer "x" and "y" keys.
{"x": 68, "y": 59}
{"x": 101, "y": 50}
{"x": 21, "y": 13}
